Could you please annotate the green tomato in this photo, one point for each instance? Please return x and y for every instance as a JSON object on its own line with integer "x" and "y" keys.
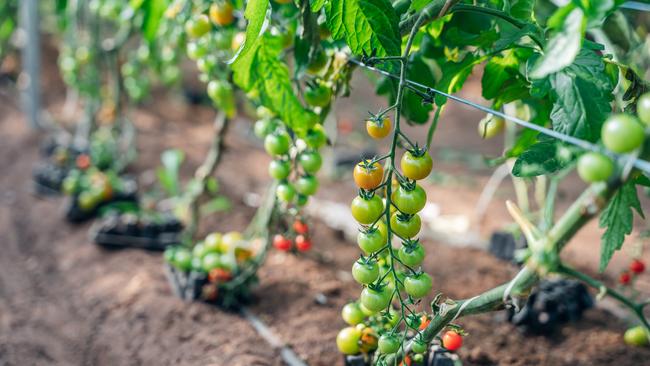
{"x": 213, "y": 242}
{"x": 198, "y": 26}
{"x": 301, "y": 200}
{"x": 316, "y": 137}
{"x": 367, "y": 211}
{"x": 264, "y": 127}
{"x": 418, "y": 286}
{"x": 622, "y": 133}
{"x": 419, "y": 347}
{"x": 371, "y": 240}
{"x": 636, "y": 336}
{"x": 352, "y": 314}
{"x": 318, "y": 96}
{"x": 409, "y": 201}
{"x": 376, "y": 300}
{"x": 279, "y": 169}
{"x": 285, "y": 192}
{"x": 87, "y": 201}
{"x": 307, "y": 185}
{"x": 365, "y": 272}
{"x": 199, "y": 250}
{"x": 182, "y": 259}
{"x": 210, "y": 261}
{"x": 643, "y": 108}
{"x": 411, "y": 255}
{"x": 405, "y": 228}
{"x": 388, "y": 343}
{"x": 416, "y": 167}
{"x": 348, "y": 340}
{"x": 318, "y": 62}
{"x": 310, "y": 161}
{"x": 595, "y": 167}
{"x": 168, "y": 255}
{"x": 277, "y": 143}
{"x": 490, "y": 126}
{"x": 223, "y": 96}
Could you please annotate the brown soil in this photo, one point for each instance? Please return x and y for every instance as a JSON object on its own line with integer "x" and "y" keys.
{"x": 65, "y": 301}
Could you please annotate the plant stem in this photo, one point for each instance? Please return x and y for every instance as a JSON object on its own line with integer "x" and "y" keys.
{"x": 429, "y": 13}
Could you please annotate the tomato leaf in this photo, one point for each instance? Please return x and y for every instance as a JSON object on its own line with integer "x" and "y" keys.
{"x": 368, "y": 26}
{"x": 617, "y": 218}
{"x": 522, "y": 9}
{"x": 261, "y": 71}
{"x": 317, "y": 5}
{"x": 563, "y": 47}
{"x": 153, "y": 13}
{"x": 545, "y": 157}
{"x": 256, "y": 13}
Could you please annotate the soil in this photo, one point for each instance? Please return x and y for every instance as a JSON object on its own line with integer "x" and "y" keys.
{"x": 66, "y": 301}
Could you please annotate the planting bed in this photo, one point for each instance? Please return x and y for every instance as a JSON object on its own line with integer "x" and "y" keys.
{"x": 64, "y": 301}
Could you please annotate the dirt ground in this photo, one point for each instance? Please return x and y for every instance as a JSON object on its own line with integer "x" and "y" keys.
{"x": 65, "y": 301}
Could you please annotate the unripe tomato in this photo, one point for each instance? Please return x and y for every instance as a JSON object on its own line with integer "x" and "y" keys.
{"x": 416, "y": 167}
{"x": 622, "y": 133}
{"x": 405, "y": 227}
{"x": 307, "y": 185}
{"x": 367, "y": 211}
{"x": 238, "y": 41}
{"x": 418, "y": 286}
{"x": 210, "y": 261}
{"x": 595, "y": 167}
{"x": 281, "y": 243}
{"x": 265, "y": 126}
{"x": 279, "y": 169}
{"x": 409, "y": 201}
{"x": 371, "y": 240}
{"x": 230, "y": 240}
{"x": 374, "y": 299}
{"x": 212, "y": 242}
{"x": 388, "y": 343}
{"x": 318, "y": 63}
{"x": 365, "y": 272}
{"x": 303, "y": 244}
{"x": 348, "y": 340}
{"x": 368, "y": 177}
{"x": 490, "y": 126}
{"x": 637, "y": 266}
{"x": 277, "y": 143}
{"x": 411, "y": 255}
{"x": 285, "y": 192}
{"x": 221, "y": 13}
{"x": 636, "y": 336}
{"x": 310, "y": 161}
{"x": 378, "y": 129}
{"x": 318, "y": 96}
{"x": 223, "y": 96}
{"x": 452, "y": 340}
{"x": 198, "y": 26}
{"x": 182, "y": 259}
{"x": 352, "y": 314}
{"x": 419, "y": 346}
{"x": 316, "y": 137}
{"x": 643, "y": 108}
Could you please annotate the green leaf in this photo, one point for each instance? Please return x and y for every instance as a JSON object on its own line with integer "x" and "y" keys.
{"x": 617, "y": 218}
{"x": 454, "y": 75}
{"x": 418, "y": 5}
{"x": 365, "y": 25}
{"x": 263, "y": 72}
{"x": 496, "y": 73}
{"x": 317, "y": 5}
{"x": 153, "y": 13}
{"x": 256, "y": 14}
{"x": 562, "y": 49}
{"x": 522, "y": 9}
{"x": 168, "y": 174}
{"x": 545, "y": 157}
{"x": 217, "y": 204}
{"x": 581, "y": 94}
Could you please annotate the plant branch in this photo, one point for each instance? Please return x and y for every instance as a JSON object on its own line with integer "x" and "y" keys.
{"x": 429, "y": 13}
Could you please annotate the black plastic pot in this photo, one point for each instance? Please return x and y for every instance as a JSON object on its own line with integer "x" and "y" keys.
{"x": 74, "y": 214}
{"x": 48, "y": 179}
{"x": 503, "y": 245}
{"x": 116, "y": 231}
{"x": 437, "y": 356}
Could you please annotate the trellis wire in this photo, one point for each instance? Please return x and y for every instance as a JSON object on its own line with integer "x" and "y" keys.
{"x": 638, "y": 163}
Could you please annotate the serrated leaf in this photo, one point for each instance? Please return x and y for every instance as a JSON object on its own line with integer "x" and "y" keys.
{"x": 563, "y": 47}
{"x": 617, "y": 218}
{"x": 262, "y": 71}
{"x": 256, "y": 14}
{"x": 545, "y": 157}
{"x": 365, "y": 25}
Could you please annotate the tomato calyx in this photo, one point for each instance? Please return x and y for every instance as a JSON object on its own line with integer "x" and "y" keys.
{"x": 366, "y": 194}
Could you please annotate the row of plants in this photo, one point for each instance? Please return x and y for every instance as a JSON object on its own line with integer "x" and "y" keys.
{"x": 570, "y": 77}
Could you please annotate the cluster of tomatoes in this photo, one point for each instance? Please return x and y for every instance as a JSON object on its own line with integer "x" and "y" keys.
{"x": 218, "y": 255}
{"x": 621, "y": 134}
{"x": 636, "y": 268}
{"x": 301, "y": 238}
{"x": 384, "y": 271}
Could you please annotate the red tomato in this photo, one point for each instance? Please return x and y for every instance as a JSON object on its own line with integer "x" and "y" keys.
{"x": 624, "y": 278}
{"x": 83, "y": 162}
{"x": 637, "y": 266}
{"x": 219, "y": 275}
{"x": 281, "y": 243}
{"x": 300, "y": 227}
{"x": 452, "y": 340}
{"x": 303, "y": 243}
{"x": 424, "y": 322}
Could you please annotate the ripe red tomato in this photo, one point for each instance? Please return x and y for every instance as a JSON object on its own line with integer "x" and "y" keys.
{"x": 624, "y": 278}
{"x": 452, "y": 340}
{"x": 83, "y": 161}
{"x": 637, "y": 266}
{"x": 303, "y": 243}
{"x": 219, "y": 275}
{"x": 300, "y": 227}
{"x": 281, "y": 243}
